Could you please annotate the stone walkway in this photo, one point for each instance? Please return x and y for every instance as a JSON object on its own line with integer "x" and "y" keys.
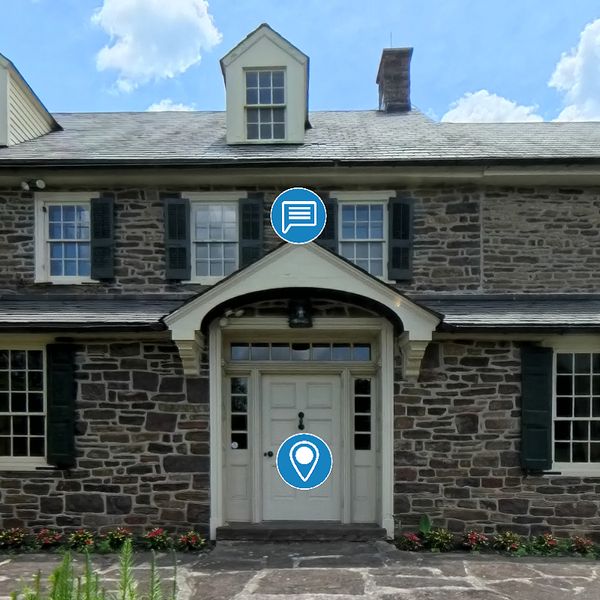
{"x": 343, "y": 571}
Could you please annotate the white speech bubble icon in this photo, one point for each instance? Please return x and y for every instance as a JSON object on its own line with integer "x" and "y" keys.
{"x": 298, "y": 213}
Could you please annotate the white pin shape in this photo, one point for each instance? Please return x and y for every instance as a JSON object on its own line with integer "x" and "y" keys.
{"x": 301, "y": 455}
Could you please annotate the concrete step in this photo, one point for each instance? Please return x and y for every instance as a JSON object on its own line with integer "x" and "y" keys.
{"x": 298, "y": 531}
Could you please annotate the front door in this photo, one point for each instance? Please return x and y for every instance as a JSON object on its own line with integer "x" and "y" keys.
{"x": 283, "y": 397}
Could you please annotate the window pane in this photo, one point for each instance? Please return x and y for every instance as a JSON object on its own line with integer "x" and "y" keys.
{"x": 562, "y": 430}
{"x": 36, "y": 425}
{"x": 564, "y": 407}
{"x": 595, "y": 453}
{"x": 595, "y": 430}
{"x": 582, "y": 384}
{"x": 239, "y": 441}
{"x": 278, "y": 79}
{"x": 265, "y": 96}
{"x": 362, "y": 423}
{"x": 596, "y": 407}
{"x": 4, "y": 425}
{"x": 18, "y": 381}
{"x": 216, "y": 269}
{"x": 300, "y": 351}
{"x": 20, "y": 425}
{"x": 18, "y": 402}
{"x": 580, "y": 430}
{"x": 3, "y": 359}
{"x": 251, "y": 96}
{"x": 20, "y": 446}
{"x": 264, "y": 78}
{"x": 239, "y": 385}
{"x": 362, "y": 404}
{"x": 239, "y": 404}
{"x": 18, "y": 359}
{"x": 4, "y": 380}
{"x": 582, "y": 407}
{"x": 260, "y": 352}
{"x": 278, "y": 115}
{"x": 239, "y": 422}
{"x": 562, "y": 452}
{"x": 4, "y": 402}
{"x": 251, "y": 79}
{"x": 278, "y": 96}
{"x": 36, "y": 446}
{"x": 341, "y": 352}
{"x": 321, "y": 351}
{"x": 362, "y": 386}
{"x": 4, "y": 446}
{"x": 280, "y": 352}
{"x": 279, "y": 131}
{"x": 36, "y": 403}
{"x": 564, "y": 385}
{"x": 265, "y": 132}
{"x": 580, "y": 453}
{"x": 582, "y": 363}
{"x": 362, "y": 441}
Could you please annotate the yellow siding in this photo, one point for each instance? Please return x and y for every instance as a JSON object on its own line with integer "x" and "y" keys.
{"x": 26, "y": 121}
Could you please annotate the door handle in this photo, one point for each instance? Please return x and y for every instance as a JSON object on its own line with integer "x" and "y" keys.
{"x": 269, "y": 453}
{"x": 301, "y": 421}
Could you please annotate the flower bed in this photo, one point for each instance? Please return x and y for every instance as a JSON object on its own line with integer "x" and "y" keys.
{"x": 84, "y": 540}
{"x": 433, "y": 539}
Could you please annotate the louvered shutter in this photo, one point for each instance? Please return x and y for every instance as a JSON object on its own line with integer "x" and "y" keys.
{"x": 329, "y": 238}
{"x": 536, "y": 408}
{"x": 251, "y": 214}
{"x": 60, "y": 395}
{"x": 177, "y": 237}
{"x": 400, "y": 242}
{"x": 102, "y": 242}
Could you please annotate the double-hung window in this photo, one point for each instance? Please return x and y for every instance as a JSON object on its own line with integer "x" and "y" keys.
{"x": 576, "y": 418}
{"x": 22, "y": 407}
{"x": 63, "y": 238}
{"x": 265, "y": 104}
{"x": 215, "y": 235}
{"x": 362, "y": 238}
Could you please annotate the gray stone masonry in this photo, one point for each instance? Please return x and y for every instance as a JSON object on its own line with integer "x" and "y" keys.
{"x": 475, "y": 240}
{"x": 142, "y": 447}
{"x": 457, "y": 436}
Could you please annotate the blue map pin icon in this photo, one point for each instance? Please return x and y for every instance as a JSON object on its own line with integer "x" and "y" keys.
{"x": 304, "y": 456}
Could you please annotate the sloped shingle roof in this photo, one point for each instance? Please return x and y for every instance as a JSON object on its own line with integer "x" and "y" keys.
{"x": 354, "y": 136}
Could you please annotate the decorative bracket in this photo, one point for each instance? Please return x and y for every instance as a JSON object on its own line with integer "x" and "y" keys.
{"x": 412, "y": 355}
{"x": 189, "y": 352}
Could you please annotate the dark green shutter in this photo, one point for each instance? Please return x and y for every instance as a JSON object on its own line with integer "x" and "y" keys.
{"x": 177, "y": 237}
{"x": 329, "y": 238}
{"x": 102, "y": 242}
{"x": 536, "y": 408}
{"x": 400, "y": 241}
{"x": 61, "y": 392}
{"x": 251, "y": 228}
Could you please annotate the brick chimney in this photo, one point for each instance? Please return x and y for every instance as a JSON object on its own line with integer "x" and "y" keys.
{"x": 393, "y": 79}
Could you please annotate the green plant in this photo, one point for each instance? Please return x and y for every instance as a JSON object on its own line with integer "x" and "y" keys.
{"x": 439, "y": 540}
{"x": 410, "y": 542}
{"x": 158, "y": 539}
{"x": 48, "y": 538}
{"x": 475, "y": 541}
{"x": 66, "y": 585}
{"x": 581, "y": 545}
{"x": 424, "y": 525}
{"x": 191, "y": 541}
{"x": 545, "y": 544}
{"x": 117, "y": 537}
{"x": 81, "y": 540}
{"x": 12, "y": 539}
{"x": 508, "y": 542}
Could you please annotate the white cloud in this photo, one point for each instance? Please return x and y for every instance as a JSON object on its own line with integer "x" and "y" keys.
{"x": 485, "y": 107}
{"x": 153, "y": 39}
{"x": 577, "y": 75}
{"x": 168, "y": 104}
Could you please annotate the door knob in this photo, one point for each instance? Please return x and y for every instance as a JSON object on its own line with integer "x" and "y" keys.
{"x": 300, "y": 420}
{"x": 269, "y": 453}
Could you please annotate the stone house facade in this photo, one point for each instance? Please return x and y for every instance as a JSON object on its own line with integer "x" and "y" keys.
{"x": 147, "y": 362}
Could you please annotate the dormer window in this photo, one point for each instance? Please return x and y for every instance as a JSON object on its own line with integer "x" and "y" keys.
{"x": 265, "y": 104}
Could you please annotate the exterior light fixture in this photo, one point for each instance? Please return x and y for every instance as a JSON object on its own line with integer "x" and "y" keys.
{"x": 300, "y": 314}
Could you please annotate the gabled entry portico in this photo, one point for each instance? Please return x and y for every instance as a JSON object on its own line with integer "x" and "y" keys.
{"x": 338, "y": 373}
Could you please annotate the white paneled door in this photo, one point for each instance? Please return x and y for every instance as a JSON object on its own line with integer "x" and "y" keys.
{"x": 283, "y": 398}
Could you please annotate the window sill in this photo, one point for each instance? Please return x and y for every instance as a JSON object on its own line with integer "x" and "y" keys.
{"x": 67, "y": 281}
{"x": 36, "y": 467}
{"x": 566, "y": 470}
{"x": 205, "y": 280}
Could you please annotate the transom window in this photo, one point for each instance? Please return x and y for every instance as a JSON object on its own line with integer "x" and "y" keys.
{"x": 362, "y": 235}
{"x": 300, "y": 351}
{"x": 215, "y": 239}
{"x": 22, "y": 406}
{"x": 68, "y": 239}
{"x": 577, "y": 408}
{"x": 265, "y": 104}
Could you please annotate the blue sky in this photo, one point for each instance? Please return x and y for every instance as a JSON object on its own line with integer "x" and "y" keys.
{"x": 506, "y": 51}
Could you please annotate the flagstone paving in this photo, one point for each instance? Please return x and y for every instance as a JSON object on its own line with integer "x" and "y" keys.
{"x": 339, "y": 571}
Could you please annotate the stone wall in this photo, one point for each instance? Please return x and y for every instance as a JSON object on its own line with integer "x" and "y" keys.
{"x": 457, "y": 435}
{"x": 475, "y": 240}
{"x": 142, "y": 446}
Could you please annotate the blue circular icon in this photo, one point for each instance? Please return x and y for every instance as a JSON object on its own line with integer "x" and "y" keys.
{"x": 298, "y": 216}
{"x": 304, "y": 461}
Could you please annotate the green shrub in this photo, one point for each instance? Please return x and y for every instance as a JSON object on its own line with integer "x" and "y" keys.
{"x": 117, "y": 537}
{"x": 191, "y": 541}
{"x": 582, "y": 545}
{"x": 508, "y": 542}
{"x": 12, "y": 539}
{"x": 46, "y": 539}
{"x": 439, "y": 540}
{"x": 545, "y": 544}
{"x": 409, "y": 542}
{"x": 475, "y": 541}
{"x": 81, "y": 540}
{"x": 158, "y": 539}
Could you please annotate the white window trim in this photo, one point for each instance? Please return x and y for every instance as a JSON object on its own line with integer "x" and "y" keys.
{"x": 284, "y": 106}
{"x": 42, "y": 258}
{"x": 28, "y": 463}
{"x": 366, "y": 197}
{"x": 571, "y": 344}
{"x": 229, "y": 198}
